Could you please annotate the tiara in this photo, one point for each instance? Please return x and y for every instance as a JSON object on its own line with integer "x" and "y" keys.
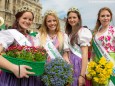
{"x": 24, "y": 8}
{"x": 73, "y": 9}
{"x": 48, "y": 12}
{"x": 1, "y": 21}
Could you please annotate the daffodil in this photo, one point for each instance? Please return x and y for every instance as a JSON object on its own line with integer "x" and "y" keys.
{"x": 100, "y": 71}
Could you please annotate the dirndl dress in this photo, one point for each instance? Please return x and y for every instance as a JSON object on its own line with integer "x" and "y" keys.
{"x": 76, "y": 62}
{"x": 84, "y": 38}
{"x": 9, "y": 79}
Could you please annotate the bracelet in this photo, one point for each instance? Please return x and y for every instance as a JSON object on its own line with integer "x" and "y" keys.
{"x": 82, "y": 76}
{"x": 19, "y": 71}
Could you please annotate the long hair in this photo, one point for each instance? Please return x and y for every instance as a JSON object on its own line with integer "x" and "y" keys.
{"x": 44, "y": 31}
{"x": 68, "y": 28}
{"x": 16, "y": 22}
{"x": 98, "y": 23}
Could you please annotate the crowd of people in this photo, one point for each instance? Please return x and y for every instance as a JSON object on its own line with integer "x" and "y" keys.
{"x": 71, "y": 45}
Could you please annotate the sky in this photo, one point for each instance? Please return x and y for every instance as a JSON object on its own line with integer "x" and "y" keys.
{"x": 87, "y": 8}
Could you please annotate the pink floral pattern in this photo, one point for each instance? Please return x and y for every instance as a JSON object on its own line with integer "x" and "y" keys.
{"x": 108, "y": 41}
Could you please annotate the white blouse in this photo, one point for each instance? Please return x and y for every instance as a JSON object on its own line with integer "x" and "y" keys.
{"x": 6, "y": 39}
{"x": 66, "y": 40}
{"x": 84, "y": 37}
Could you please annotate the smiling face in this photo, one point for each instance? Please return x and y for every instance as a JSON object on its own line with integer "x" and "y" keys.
{"x": 51, "y": 23}
{"x": 105, "y": 18}
{"x": 73, "y": 19}
{"x": 25, "y": 20}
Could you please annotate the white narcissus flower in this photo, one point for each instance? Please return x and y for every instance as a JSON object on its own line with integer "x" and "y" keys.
{"x": 1, "y": 21}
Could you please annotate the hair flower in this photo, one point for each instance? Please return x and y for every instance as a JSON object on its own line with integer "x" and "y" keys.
{"x": 24, "y": 8}
{"x": 48, "y": 12}
{"x": 73, "y": 9}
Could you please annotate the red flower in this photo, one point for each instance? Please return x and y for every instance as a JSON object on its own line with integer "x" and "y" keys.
{"x": 101, "y": 38}
{"x": 108, "y": 38}
{"x": 112, "y": 48}
{"x": 27, "y": 52}
{"x": 108, "y": 45}
{"x": 111, "y": 29}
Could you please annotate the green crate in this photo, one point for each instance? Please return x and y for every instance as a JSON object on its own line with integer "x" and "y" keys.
{"x": 37, "y": 67}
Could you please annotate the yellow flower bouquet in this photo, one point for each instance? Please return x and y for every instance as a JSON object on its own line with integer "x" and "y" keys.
{"x": 100, "y": 71}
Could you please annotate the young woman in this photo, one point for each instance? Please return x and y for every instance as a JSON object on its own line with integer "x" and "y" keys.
{"x": 51, "y": 37}
{"x": 24, "y": 19}
{"x": 104, "y": 35}
{"x": 79, "y": 40}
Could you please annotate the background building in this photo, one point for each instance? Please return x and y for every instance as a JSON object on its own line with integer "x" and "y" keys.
{"x": 8, "y": 9}
{"x": 62, "y": 24}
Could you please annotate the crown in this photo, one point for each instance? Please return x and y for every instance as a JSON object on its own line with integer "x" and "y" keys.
{"x": 24, "y": 8}
{"x": 73, "y": 9}
{"x": 48, "y": 12}
{"x": 1, "y": 21}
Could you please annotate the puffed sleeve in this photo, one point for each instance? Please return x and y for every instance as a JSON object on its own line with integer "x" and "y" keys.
{"x": 6, "y": 39}
{"x": 84, "y": 37}
{"x": 66, "y": 45}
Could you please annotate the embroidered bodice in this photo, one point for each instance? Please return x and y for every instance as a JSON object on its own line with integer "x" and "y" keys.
{"x": 107, "y": 39}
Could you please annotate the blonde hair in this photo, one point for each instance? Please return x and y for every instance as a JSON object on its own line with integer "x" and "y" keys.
{"x": 44, "y": 31}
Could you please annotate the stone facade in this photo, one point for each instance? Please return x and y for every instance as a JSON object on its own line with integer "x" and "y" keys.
{"x": 8, "y": 9}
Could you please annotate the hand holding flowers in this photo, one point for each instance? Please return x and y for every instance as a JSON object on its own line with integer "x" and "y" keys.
{"x": 100, "y": 71}
{"x": 34, "y": 57}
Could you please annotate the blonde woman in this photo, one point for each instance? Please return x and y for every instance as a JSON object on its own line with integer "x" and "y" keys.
{"x": 51, "y": 37}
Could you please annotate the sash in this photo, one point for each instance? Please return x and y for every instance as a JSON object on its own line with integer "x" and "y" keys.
{"x": 19, "y": 37}
{"x": 100, "y": 51}
{"x": 76, "y": 50}
{"x": 51, "y": 49}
